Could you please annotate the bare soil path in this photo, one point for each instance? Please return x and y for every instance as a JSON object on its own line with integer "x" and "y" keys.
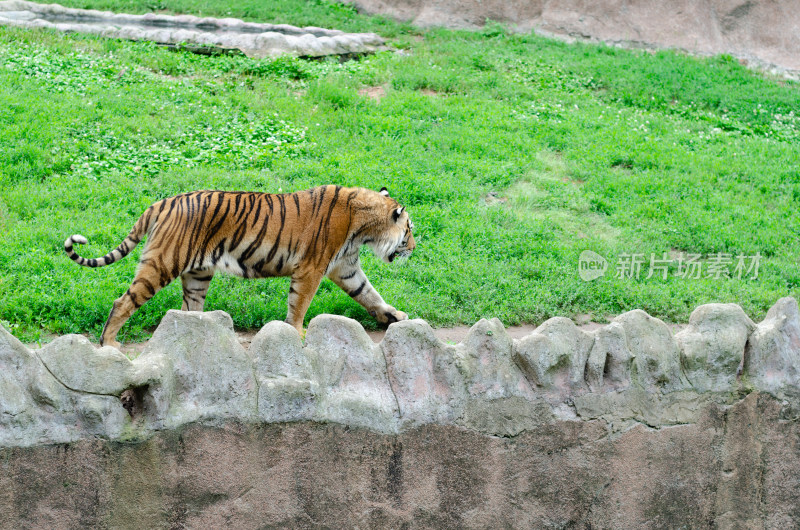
{"x": 451, "y": 335}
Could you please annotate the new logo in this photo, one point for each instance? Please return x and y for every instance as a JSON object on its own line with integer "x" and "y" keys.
{"x": 591, "y": 265}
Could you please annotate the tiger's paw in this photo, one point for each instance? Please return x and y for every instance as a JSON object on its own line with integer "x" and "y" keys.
{"x": 389, "y": 315}
{"x": 112, "y": 343}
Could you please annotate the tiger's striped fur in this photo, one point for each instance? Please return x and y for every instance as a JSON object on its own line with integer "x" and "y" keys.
{"x": 306, "y": 235}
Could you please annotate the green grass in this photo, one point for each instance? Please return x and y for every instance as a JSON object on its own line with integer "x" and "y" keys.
{"x": 513, "y": 154}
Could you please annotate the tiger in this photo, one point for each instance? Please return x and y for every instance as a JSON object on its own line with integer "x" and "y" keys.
{"x": 307, "y": 235}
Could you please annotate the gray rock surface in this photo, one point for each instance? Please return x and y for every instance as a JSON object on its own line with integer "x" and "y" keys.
{"x": 624, "y": 427}
{"x": 206, "y": 373}
{"x": 610, "y": 359}
{"x": 79, "y": 366}
{"x": 772, "y": 357}
{"x": 36, "y": 408}
{"x": 498, "y": 397}
{"x": 712, "y": 346}
{"x": 255, "y": 40}
{"x": 656, "y": 357}
{"x": 194, "y": 370}
{"x": 352, "y": 374}
{"x": 759, "y": 31}
{"x": 422, "y": 375}
{"x": 288, "y": 383}
{"x": 554, "y": 356}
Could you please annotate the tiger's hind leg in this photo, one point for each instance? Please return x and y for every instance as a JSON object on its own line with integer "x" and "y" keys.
{"x": 195, "y": 288}
{"x": 148, "y": 281}
{"x": 303, "y": 288}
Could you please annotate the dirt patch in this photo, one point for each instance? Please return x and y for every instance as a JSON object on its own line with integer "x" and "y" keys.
{"x": 493, "y": 198}
{"x": 373, "y": 92}
{"x": 432, "y": 93}
{"x": 457, "y": 334}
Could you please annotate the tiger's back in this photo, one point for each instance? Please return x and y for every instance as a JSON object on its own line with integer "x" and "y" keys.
{"x": 306, "y": 235}
{"x": 254, "y": 235}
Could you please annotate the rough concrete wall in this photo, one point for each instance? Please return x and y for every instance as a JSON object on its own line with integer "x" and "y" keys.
{"x": 256, "y": 40}
{"x": 732, "y": 467}
{"x": 764, "y": 31}
{"x": 622, "y": 427}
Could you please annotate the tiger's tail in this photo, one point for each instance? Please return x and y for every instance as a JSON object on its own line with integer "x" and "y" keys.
{"x": 124, "y": 248}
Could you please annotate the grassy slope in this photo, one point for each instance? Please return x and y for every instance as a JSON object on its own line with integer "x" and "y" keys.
{"x": 513, "y": 154}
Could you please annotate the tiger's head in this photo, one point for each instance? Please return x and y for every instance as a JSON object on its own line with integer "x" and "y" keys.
{"x": 396, "y": 239}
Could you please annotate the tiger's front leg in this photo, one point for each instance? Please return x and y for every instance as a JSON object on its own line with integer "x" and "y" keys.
{"x": 354, "y": 282}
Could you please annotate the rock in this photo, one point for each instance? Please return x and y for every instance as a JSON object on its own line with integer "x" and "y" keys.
{"x": 610, "y": 359}
{"x": 772, "y": 355}
{"x": 101, "y": 416}
{"x": 554, "y": 356}
{"x": 656, "y": 357}
{"x": 18, "y": 370}
{"x": 14, "y": 399}
{"x": 712, "y": 346}
{"x": 79, "y": 366}
{"x": 355, "y": 389}
{"x": 423, "y": 376}
{"x": 621, "y": 410}
{"x": 411, "y": 432}
{"x": 36, "y": 408}
{"x": 287, "y": 383}
{"x": 499, "y": 400}
{"x": 194, "y": 370}
{"x": 256, "y": 40}
{"x": 207, "y": 375}
{"x": 484, "y": 361}
{"x": 283, "y": 399}
{"x": 756, "y": 30}
{"x": 277, "y": 351}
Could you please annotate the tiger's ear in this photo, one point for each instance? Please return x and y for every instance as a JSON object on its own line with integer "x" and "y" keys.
{"x": 384, "y": 192}
{"x": 397, "y": 213}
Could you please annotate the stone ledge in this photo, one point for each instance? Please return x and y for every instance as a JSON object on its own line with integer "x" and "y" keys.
{"x": 255, "y": 40}
{"x": 631, "y": 371}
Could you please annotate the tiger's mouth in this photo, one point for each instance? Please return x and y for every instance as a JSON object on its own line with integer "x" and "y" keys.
{"x": 398, "y": 254}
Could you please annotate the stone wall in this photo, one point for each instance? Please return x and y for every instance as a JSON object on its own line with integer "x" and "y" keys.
{"x": 626, "y": 426}
{"x": 765, "y": 32}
